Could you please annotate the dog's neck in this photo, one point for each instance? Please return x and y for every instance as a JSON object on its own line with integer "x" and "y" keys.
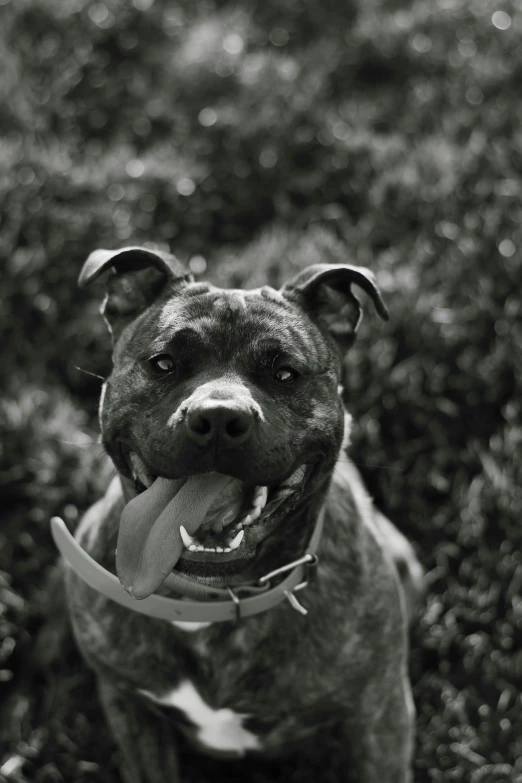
{"x": 217, "y": 605}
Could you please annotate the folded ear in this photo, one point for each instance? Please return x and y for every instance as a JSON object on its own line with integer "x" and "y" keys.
{"x": 325, "y": 292}
{"x": 137, "y": 276}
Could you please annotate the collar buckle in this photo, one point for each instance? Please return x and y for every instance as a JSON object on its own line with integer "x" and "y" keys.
{"x": 308, "y": 559}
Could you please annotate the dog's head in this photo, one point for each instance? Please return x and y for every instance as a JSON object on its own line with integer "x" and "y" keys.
{"x": 222, "y": 412}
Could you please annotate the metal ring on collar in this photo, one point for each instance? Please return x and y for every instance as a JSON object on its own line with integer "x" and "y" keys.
{"x": 237, "y": 603}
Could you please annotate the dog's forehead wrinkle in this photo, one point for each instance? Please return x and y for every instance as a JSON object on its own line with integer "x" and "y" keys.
{"x": 256, "y": 312}
{"x": 228, "y": 333}
{"x": 270, "y": 293}
{"x": 172, "y": 316}
{"x": 197, "y": 289}
{"x": 233, "y": 300}
{"x": 182, "y": 332}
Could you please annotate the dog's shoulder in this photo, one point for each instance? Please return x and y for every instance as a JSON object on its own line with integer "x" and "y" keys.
{"x": 350, "y": 544}
{"x": 97, "y": 534}
{"x": 347, "y": 492}
{"x": 353, "y": 538}
{"x": 350, "y": 502}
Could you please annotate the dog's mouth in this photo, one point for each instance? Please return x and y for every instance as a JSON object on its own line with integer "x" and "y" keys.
{"x": 207, "y": 526}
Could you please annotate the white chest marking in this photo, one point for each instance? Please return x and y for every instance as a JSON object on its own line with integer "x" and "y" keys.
{"x": 219, "y": 729}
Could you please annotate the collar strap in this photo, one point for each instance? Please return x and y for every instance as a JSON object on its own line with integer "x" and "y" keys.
{"x": 225, "y": 604}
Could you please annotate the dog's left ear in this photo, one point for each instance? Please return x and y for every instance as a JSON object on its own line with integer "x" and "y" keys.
{"x": 325, "y": 292}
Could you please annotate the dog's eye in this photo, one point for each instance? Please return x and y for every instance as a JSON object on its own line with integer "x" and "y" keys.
{"x": 285, "y": 375}
{"x": 162, "y": 364}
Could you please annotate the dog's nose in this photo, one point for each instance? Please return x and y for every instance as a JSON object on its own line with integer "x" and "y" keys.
{"x": 228, "y": 423}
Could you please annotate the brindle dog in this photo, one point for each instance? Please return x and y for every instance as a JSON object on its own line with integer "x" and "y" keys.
{"x": 244, "y": 385}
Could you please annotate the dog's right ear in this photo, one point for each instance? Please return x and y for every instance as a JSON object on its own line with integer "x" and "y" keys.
{"x": 137, "y": 276}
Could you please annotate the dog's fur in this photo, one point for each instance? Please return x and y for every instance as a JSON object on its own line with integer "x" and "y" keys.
{"x": 279, "y": 679}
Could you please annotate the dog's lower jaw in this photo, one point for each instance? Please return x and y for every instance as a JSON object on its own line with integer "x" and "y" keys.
{"x": 286, "y": 542}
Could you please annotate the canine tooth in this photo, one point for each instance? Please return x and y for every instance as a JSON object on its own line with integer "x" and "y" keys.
{"x": 260, "y": 497}
{"x": 185, "y": 537}
{"x": 193, "y": 548}
{"x": 255, "y": 513}
{"x": 236, "y": 541}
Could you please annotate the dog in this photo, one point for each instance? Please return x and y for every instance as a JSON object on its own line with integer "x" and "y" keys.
{"x": 238, "y": 587}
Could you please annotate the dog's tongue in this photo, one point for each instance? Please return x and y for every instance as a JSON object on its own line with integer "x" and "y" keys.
{"x": 149, "y": 541}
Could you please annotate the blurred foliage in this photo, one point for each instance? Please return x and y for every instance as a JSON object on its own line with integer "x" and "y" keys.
{"x": 250, "y": 139}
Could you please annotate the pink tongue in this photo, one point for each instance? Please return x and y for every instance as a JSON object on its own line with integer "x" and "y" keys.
{"x": 149, "y": 541}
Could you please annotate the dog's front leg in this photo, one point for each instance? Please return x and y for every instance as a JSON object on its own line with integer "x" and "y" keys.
{"x": 146, "y": 740}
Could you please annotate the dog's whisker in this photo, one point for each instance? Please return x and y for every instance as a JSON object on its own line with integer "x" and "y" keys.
{"x": 370, "y": 465}
{"x": 99, "y": 458}
{"x": 87, "y": 443}
{"x": 88, "y": 372}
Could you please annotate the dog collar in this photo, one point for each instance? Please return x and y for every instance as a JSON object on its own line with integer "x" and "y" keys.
{"x": 202, "y": 603}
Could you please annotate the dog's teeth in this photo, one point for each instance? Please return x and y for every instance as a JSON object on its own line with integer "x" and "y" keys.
{"x": 260, "y": 497}
{"x": 296, "y": 478}
{"x": 298, "y": 475}
{"x": 140, "y": 471}
{"x": 255, "y": 513}
{"x": 193, "y": 547}
{"x": 247, "y": 520}
{"x": 228, "y": 519}
{"x": 185, "y": 537}
{"x": 282, "y": 493}
{"x": 220, "y": 524}
{"x": 236, "y": 541}
{"x": 227, "y": 549}
{"x": 200, "y": 548}
{"x": 219, "y": 549}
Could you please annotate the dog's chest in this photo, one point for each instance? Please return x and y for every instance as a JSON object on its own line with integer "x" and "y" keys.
{"x": 220, "y": 730}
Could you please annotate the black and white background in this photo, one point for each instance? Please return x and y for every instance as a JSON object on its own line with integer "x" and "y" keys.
{"x": 246, "y": 137}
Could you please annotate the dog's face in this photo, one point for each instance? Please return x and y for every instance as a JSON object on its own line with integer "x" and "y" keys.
{"x": 223, "y": 411}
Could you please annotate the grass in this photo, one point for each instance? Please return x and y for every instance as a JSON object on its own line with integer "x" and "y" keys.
{"x": 249, "y": 139}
